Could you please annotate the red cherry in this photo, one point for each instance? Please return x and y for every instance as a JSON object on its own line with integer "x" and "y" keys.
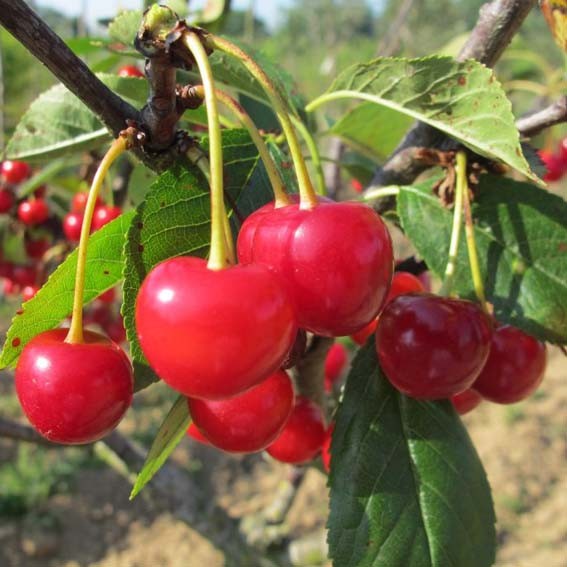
{"x": 72, "y": 224}
{"x": 432, "y": 347}
{"x": 35, "y": 249}
{"x": 297, "y": 350}
{"x": 466, "y": 401}
{"x": 7, "y": 200}
{"x": 338, "y": 279}
{"x": 108, "y": 296}
{"x": 554, "y": 165}
{"x": 326, "y": 449}
{"x": 29, "y": 291}
{"x": 15, "y": 171}
{"x": 514, "y": 369}
{"x": 402, "y": 283}
{"x": 9, "y": 287}
{"x": 104, "y": 215}
{"x": 32, "y": 212}
{"x": 213, "y": 334}
{"x": 250, "y": 421}
{"x": 6, "y": 269}
{"x": 98, "y": 314}
{"x": 73, "y": 393}
{"x": 357, "y": 185}
{"x": 79, "y": 202}
{"x": 40, "y": 192}
{"x": 302, "y": 437}
{"x": 130, "y": 71}
{"x": 335, "y": 363}
{"x": 115, "y": 330}
{"x": 194, "y": 433}
{"x": 563, "y": 151}
{"x": 24, "y": 275}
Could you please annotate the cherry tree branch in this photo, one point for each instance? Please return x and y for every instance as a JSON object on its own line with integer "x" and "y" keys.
{"x": 498, "y": 22}
{"x": 533, "y": 124}
{"x": 18, "y": 432}
{"x": 38, "y": 38}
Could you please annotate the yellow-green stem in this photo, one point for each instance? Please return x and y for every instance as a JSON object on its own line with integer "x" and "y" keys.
{"x": 75, "y": 334}
{"x": 456, "y": 230}
{"x": 314, "y": 152}
{"x": 218, "y": 258}
{"x": 307, "y": 192}
{"x": 471, "y": 240}
{"x": 276, "y": 181}
{"x": 374, "y": 194}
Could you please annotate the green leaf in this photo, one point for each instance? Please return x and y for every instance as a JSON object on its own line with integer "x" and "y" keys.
{"x": 123, "y": 29}
{"x": 168, "y": 437}
{"x": 407, "y": 486}
{"x": 373, "y": 130}
{"x": 54, "y": 301}
{"x": 463, "y": 100}
{"x": 521, "y": 235}
{"x": 57, "y": 122}
{"x": 174, "y": 219}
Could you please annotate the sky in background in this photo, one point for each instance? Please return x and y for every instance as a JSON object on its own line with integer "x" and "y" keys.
{"x": 96, "y": 9}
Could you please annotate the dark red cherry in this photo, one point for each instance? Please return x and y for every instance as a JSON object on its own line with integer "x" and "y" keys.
{"x": 335, "y": 363}
{"x": 108, "y": 296}
{"x": 104, "y": 215}
{"x": 29, "y": 291}
{"x": 99, "y": 314}
{"x": 6, "y": 269}
{"x": 40, "y": 192}
{"x": 79, "y": 202}
{"x": 213, "y": 334}
{"x": 248, "y": 422}
{"x": 24, "y": 275}
{"x": 338, "y": 278}
{"x": 432, "y": 347}
{"x": 7, "y": 200}
{"x": 194, "y": 433}
{"x": 297, "y": 350}
{"x": 514, "y": 369}
{"x": 35, "y": 249}
{"x": 73, "y": 393}
{"x": 129, "y": 71}
{"x": 33, "y": 211}
{"x": 466, "y": 401}
{"x": 302, "y": 437}
{"x": 115, "y": 330}
{"x": 9, "y": 287}
{"x": 402, "y": 283}
{"x": 15, "y": 171}
{"x": 72, "y": 224}
{"x": 326, "y": 449}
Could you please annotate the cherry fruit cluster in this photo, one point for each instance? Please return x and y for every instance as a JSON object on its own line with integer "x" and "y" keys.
{"x": 296, "y": 271}
{"x": 555, "y": 162}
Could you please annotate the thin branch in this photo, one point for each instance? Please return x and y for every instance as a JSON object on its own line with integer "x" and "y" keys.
{"x": 533, "y": 124}
{"x": 18, "y": 432}
{"x": 498, "y": 21}
{"x": 390, "y": 43}
{"x": 36, "y": 36}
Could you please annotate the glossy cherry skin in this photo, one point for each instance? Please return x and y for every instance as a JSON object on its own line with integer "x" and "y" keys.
{"x": 108, "y": 296}
{"x": 129, "y": 71}
{"x": 35, "y": 249}
{"x": 326, "y": 449}
{"x": 432, "y": 347}
{"x": 194, "y": 433}
{"x": 104, "y": 215}
{"x": 7, "y": 200}
{"x": 72, "y": 224}
{"x": 73, "y": 393}
{"x": 466, "y": 401}
{"x": 213, "y": 334}
{"x": 79, "y": 202}
{"x": 554, "y": 164}
{"x": 29, "y": 291}
{"x": 338, "y": 278}
{"x": 250, "y": 421}
{"x": 32, "y": 212}
{"x": 514, "y": 369}
{"x": 402, "y": 282}
{"x": 335, "y": 362}
{"x": 15, "y": 171}
{"x": 302, "y": 437}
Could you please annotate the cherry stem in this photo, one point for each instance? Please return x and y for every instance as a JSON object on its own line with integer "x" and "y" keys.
{"x": 308, "y": 197}
{"x": 219, "y": 256}
{"x": 314, "y": 153}
{"x": 374, "y": 194}
{"x": 75, "y": 334}
{"x": 461, "y": 187}
{"x": 276, "y": 181}
{"x": 471, "y": 240}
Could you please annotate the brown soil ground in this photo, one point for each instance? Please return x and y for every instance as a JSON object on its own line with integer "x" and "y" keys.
{"x": 523, "y": 448}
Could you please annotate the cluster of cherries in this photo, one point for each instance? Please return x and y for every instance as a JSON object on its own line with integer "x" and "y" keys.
{"x": 555, "y": 162}
{"x": 220, "y": 337}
